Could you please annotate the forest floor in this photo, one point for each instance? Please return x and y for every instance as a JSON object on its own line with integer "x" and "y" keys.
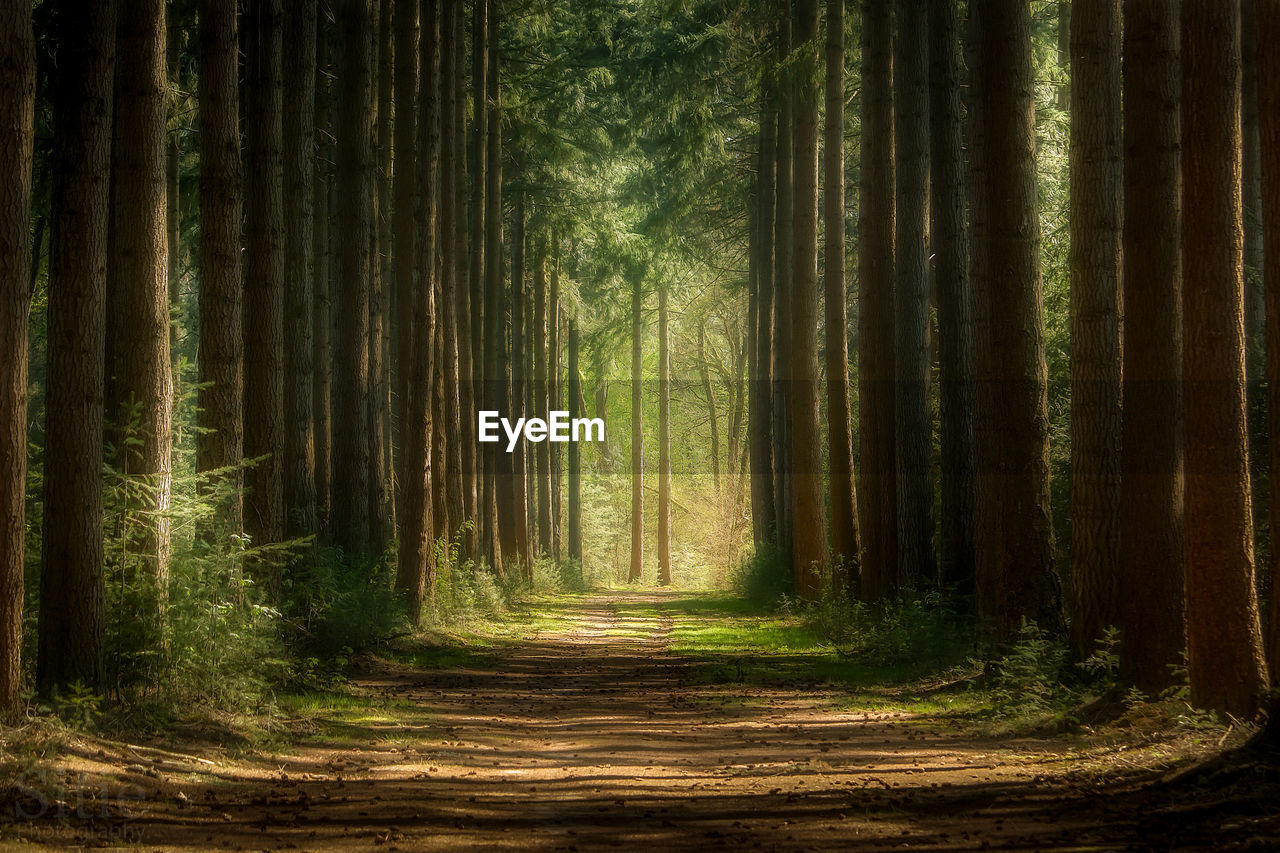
{"x": 639, "y": 720}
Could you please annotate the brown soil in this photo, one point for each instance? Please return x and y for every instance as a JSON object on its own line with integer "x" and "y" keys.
{"x": 597, "y": 737}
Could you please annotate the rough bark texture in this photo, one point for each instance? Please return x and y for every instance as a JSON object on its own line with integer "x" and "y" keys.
{"x": 493, "y": 300}
{"x": 404, "y": 244}
{"x": 763, "y": 512}
{"x": 555, "y": 395}
{"x": 1016, "y": 579}
{"x": 876, "y": 438}
{"x": 713, "y": 419}
{"x": 477, "y": 153}
{"x": 72, "y": 606}
{"x": 1251, "y": 186}
{"x": 1152, "y": 555}
{"x": 519, "y": 504}
{"x": 949, "y": 242}
{"x": 322, "y": 280}
{"x": 575, "y": 454}
{"x": 637, "y": 432}
{"x": 415, "y": 517}
{"x": 354, "y": 217}
{"x": 139, "y": 266}
{"x": 912, "y": 354}
{"x": 844, "y": 501}
{"x": 17, "y": 114}
{"x": 1268, "y": 32}
{"x": 299, "y": 201}
{"x": 1224, "y": 640}
{"x": 1095, "y": 321}
{"x": 783, "y": 254}
{"x": 664, "y": 441}
{"x": 541, "y": 394}
{"x": 380, "y": 499}
{"x": 264, "y": 276}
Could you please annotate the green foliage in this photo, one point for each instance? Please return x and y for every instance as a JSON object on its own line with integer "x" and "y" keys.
{"x": 1027, "y": 679}
{"x": 764, "y": 577}
{"x": 344, "y": 606}
{"x": 918, "y": 632}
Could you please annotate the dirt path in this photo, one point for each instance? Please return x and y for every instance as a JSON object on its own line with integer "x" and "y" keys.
{"x": 596, "y": 736}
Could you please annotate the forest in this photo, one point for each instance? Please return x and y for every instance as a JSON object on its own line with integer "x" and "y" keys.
{"x": 518, "y": 424}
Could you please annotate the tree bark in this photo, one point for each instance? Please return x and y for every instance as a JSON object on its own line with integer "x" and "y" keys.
{"x": 299, "y": 134}
{"x": 1268, "y": 32}
{"x": 541, "y": 394}
{"x": 476, "y": 167}
{"x": 404, "y": 249}
{"x": 17, "y": 113}
{"x": 139, "y": 266}
{"x": 575, "y": 453}
{"x": 494, "y": 320}
{"x": 322, "y": 358}
{"x": 555, "y": 395}
{"x": 1224, "y": 641}
{"x": 876, "y": 440}
{"x": 704, "y": 373}
{"x": 380, "y": 498}
{"x": 637, "y": 430}
{"x": 844, "y": 496}
{"x": 763, "y": 510}
{"x": 354, "y": 215}
{"x": 1152, "y": 549}
{"x": 784, "y": 253}
{"x": 664, "y": 441}
{"x": 264, "y": 271}
{"x": 72, "y": 606}
{"x": 1017, "y": 579}
{"x": 949, "y": 241}
{"x": 912, "y": 354}
{"x": 1095, "y": 321}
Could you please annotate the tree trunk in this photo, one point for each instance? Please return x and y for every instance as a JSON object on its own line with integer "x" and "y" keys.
{"x": 1152, "y": 554}
{"x": 637, "y": 430}
{"x": 173, "y": 165}
{"x": 299, "y": 135}
{"x": 17, "y": 113}
{"x": 912, "y": 354}
{"x": 264, "y": 278}
{"x": 354, "y": 214}
{"x": 494, "y": 300}
{"x": 763, "y": 509}
{"x": 476, "y": 167}
{"x": 1255, "y": 307}
{"x": 72, "y": 606}
{"x": 1224, "y": 641}
{"x": 664, "y": 441}
{"x": 949, "y": 240}
{"x": 414, "y": 572}
{"x": 519, "y": 481}
{"x": 879, "y": 504}
{"x": 784, "y": 252}
{"x": 321, "y": 278}
{"x": 704, "y": 373}
{"x": 555, "y": 395}
{"x": 1268, "y": 32}
{"x": 844, "y": 497}
{"x": 575, "y": 452}
{"x": 541, "y": 393}
{"x": 1095, "y": 321}
{"x": 380, "y": 289}
{"x": 139, "y": 266}
{"x": 404, "y": 250}
{"x": 1018, "y": 581}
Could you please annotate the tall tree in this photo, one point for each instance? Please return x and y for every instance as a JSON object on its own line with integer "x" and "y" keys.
{"x": 783, "y": 255}
{"x": 1268, "y": 32}
{"x": 139, "y": 268}
{"x": 17, "y": 113}
{"x": 1251, "y": 187}
{"x": 664, "y": 440}
{"x": 1224, "y": 640}
{"x": 379, "y": 415}
{"x": 404, "y": 245}
{"x": 322, "y": 280}
{"x": 519, "y": 480}
{"x": 1152, "y": 570}
{"x": 1016, "y": 579}
{"x": 299, "y": 147}
{"x": 1095, "y": 321}
{"x": 575, "y": 453}
{"x": 949, "y": 243}
{"x": 912, "y": 354}
{"x": 354, "y": 214}
{"x": 876, "y": 435}
{"x": 454, "y": 339}
{"x": 264, "y": 273}
{"x": 477, "y": 153}
{"x": 493, "y": 300}
{"x": 844, "y": 500}
{"x": 541, "y": 393}
{"x": 415, "y": 517}
{"x": 72, "y": 596}
{"x": 763, "y": 511}
{"x": 554, "y": 393}
{"x": 637, "y": 428}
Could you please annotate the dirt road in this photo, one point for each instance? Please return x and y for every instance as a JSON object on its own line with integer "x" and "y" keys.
{"x": 594, "y": 736}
